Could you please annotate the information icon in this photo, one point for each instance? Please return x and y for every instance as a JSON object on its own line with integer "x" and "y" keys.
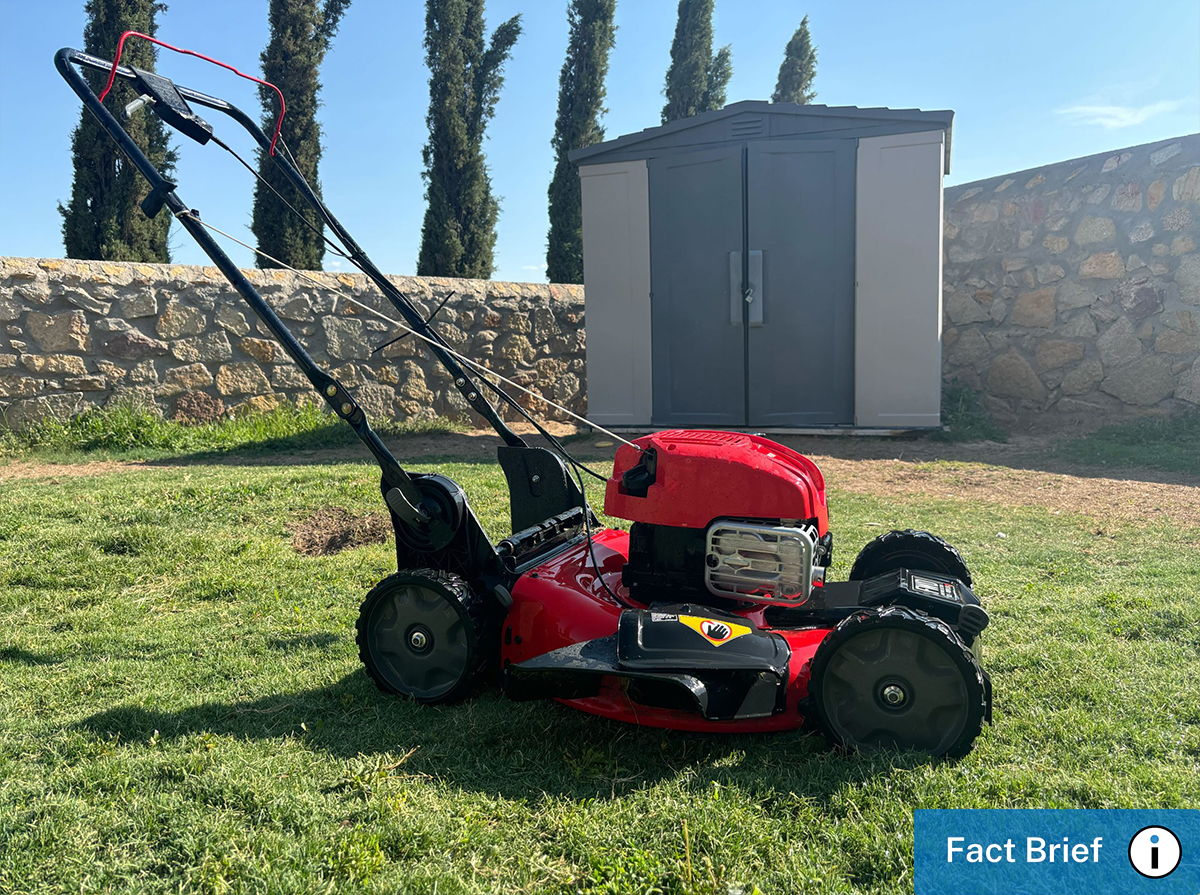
{"x": 1154, "y": 852}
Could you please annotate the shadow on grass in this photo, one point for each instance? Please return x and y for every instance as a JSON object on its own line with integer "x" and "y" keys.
{"x": 517, "y": 750}
{"x": 18, "y": 656}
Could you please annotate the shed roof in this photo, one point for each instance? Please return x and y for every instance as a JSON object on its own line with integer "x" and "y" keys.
{"x": 758, "y": 119}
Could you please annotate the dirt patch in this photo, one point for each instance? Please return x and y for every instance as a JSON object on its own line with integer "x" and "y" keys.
{"x": 334, "y": 529}
{"x": 1098, "y": 497}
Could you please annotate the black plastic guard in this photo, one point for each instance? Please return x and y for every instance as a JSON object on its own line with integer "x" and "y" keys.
{"x": 938, "y": 595}
{"x": 668, "y": 662}
{"x": 539, "y": 485}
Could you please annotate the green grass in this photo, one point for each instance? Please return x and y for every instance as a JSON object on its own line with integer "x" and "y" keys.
{"x": 129, "y": 432}
{"x": 182, "y": 709}
{"x": 1170, "y": 444}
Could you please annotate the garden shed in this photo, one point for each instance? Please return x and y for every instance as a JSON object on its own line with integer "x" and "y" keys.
{"x": 767, "y": 266}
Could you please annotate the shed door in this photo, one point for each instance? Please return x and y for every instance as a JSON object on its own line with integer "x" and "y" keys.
{"x": 695, "y": 222}
{"x": 800, "y": 201}
{"x": 771, "y": 222}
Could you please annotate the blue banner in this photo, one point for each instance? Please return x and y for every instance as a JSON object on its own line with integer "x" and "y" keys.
{"x": 1002, "y": 851}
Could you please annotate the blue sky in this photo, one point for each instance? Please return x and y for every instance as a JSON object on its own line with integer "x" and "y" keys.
{"x": 1030, "y": 82}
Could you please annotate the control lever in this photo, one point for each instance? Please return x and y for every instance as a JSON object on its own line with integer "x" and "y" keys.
{"x": 132, "y": 108}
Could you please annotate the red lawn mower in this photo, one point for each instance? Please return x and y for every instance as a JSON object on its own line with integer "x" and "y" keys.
{"x": 712, "y": 613}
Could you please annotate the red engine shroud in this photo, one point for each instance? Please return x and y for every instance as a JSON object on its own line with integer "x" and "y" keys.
{"x": 702, "y": 476}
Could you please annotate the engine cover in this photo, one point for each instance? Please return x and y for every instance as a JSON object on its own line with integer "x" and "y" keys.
{"x": 689, "y": 478}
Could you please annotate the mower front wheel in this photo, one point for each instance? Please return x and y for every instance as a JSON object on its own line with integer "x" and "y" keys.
{"x": 421, "y": 634}
{"x": 896, "y": 678}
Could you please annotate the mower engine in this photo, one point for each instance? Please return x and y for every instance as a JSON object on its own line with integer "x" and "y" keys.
{"x": 734, "y": 517}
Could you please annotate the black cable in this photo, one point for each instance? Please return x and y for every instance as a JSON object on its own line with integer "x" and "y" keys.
{"x": 311, "y": 226}
{"x": 325, "y": 215}
{"x": 428, "y": 320}
{"x": 587, "y": 528}
{"x": 545, "y": 433}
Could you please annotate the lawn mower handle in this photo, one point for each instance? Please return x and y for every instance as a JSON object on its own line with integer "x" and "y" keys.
{"x": 401, "y": 493}
{"x": 463, "y": 380}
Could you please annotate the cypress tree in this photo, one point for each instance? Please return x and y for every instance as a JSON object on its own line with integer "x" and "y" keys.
{"x": 102, "y": 220}
{"x": 798, "y": 70}
{"x": 580, "y": 104}
{"x": 301, "y": 33}
{"x": 458, "y": 235}
{"x": 697, "y": 78}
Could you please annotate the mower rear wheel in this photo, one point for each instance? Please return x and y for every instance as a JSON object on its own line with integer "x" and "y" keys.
{"x": 896, "y": 678}
{"x": 421, "y": 634}
{"x": 918, "y": 551}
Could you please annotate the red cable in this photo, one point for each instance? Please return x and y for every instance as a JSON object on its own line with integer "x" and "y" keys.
{"x": 112, "y": 75}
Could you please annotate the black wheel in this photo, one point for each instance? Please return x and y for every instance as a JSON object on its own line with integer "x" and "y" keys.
{"x": 918, "y": 551}
{"x": 421, "y": 634}
{"x": 896, "y": 678}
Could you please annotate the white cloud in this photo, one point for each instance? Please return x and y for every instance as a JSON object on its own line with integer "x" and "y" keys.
{"x": 533, "y": 267}
{"x": 1119, "y": 116}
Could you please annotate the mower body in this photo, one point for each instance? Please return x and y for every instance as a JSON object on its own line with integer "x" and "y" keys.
{"x": 637, "y": 628}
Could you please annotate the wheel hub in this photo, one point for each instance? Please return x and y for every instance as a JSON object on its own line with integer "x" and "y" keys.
{"x": 893, "y": 695}
{"x": 419, "y": 639}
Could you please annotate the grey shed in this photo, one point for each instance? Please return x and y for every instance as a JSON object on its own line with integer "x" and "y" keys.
{"x": 767, "y": 266}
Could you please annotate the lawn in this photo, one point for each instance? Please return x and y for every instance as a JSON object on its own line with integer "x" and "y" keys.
{"x": 182, "y": 707}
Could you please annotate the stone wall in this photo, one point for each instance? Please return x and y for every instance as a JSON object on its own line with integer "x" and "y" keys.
{"x": 85, "y": 333}
{"x": 1074, "y": 289}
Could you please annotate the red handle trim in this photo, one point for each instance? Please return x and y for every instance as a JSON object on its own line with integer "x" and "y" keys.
{"x": 112, "y": 75}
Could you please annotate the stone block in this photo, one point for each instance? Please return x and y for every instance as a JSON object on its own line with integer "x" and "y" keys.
{"x": 1188, "y": 388}
{"x": 1138, "y": 297}
{"x": 211, "y": 348}
{"x": 1103, "y": 266}
{"x": 1187, "y": 186}
{"x": 54, "y": 363}
{"x": 1049, "y": 273}
{"x": 1172, "y": 341}
{"x": 345, "y": 339}
{"x": 44, "y": 407}
{"x": 131, "y": 344}
{"x": 969, "y": 349}
{"x": 178, "y": 320}
{"x": 1177, "y": 219}
{"x": 1056, "y": 245}
{"x": 87, "y": 384}
{"x": 1081, "y": 326}
{"x": 1011, "y": 376}
{"x": 1141, "y": 231}
{"x": 1034, "y": 309}
{"x": 1182, "y": 245}
{"x": 1083, "y": 378}
{"x": 262, "y": 350}
{"x": 1187, "y": 278}
{"x": 1155, "y": 193}
{"x": 233, "y": 320}
{"x": 1119, "y": 344}
{"x": 1167, "y": 152}
{"x": 86, "y": 302}
{"x": 143, "y": 304}
{"x": 13, "y": 385}
{"x": 1092, "y": 231}
{"x": 241, "y": 379}
{"x": 1055, "y": 353}
{"x": 60, "y": 332}
{"x": 192, "y": 377}
{"x": 1128, "y": 197}
{"x": 1142, "y": 383}
{"x": 962, "y": 309}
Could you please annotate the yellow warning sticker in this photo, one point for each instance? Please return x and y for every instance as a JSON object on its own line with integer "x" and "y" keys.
{"x": 715, "y": 631}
